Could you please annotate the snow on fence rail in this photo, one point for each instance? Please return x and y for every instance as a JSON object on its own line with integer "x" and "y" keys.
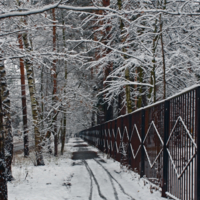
{"x": 162, "y": 143}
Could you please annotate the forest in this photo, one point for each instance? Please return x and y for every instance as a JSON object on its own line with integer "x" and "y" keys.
{"x": 67, "y": 65}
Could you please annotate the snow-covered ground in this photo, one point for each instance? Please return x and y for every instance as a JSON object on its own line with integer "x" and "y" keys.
{"x": 65, "y": 179}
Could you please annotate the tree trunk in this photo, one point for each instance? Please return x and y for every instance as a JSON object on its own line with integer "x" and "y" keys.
{"x": 135, "y": 87}
{"x": 48, "y": 141}
{"x": 141, "y": 99}
{"x": 163, "y": 59}
{"x": 153, "y": 75}
{"x": 3, "y": 183}
{"x": 48, "y": 133}
{"x": 63, "y": 134}
{"x": 163, "y": 53}
{"x": 24, "y": 107}
{"x": 54, "y": 87}
{"x": 127, "y": 75}
{"x": 64, "y": 128}
{"x": 7, "y": 123}
{"x": 42, "y": 104}
{"x": 128, "y": 92}
{"x": 34, "y": 104}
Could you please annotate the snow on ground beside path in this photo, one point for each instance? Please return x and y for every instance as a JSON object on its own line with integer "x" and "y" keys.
{"x": 65, "y": 179}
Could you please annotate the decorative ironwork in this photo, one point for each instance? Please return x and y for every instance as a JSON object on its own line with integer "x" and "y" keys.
{"x": 183, "y": 151}
{"x": 145, "y": 149}
{"x": 170, "y": 144}
{"x": 132, "y": 150}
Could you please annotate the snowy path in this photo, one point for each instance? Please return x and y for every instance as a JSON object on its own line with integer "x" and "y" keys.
{"x": 105, "y": 179}
{"x": 105, "y": 183}
{"x": 82, "y": 173}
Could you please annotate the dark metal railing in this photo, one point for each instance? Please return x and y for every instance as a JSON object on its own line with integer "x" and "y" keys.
{"x": 161, "y": 142}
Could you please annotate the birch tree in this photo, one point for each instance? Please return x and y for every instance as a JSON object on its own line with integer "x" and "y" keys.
{"x": 34, "y": 103}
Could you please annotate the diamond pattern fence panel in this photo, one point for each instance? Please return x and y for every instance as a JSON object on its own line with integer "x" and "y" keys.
{"x": 118, "y": 138}
{"x": 124, "y": 143}
{"x": 135, "y": 141}
{"x": 113, "y": 141}
{"x": 182, "y": 146}
{"x": 160, "y": 142}
{"x": 153, "y": 143}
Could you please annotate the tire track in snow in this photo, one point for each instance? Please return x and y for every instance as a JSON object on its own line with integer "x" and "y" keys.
{"x": 111, "y": 180}
{"x": 91, "y": 183}
{"x": 114, "y": 189}
{"x": 111, "y": 177}
{"x": 95, "y": 180}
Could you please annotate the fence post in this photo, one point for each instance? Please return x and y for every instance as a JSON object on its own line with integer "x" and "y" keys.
{"x": 111, "y": 139}
{"x": 100, "y": 137}
{"x": 165, "y": 154}
{"x": 120, "y": 140}
{"x": 142, "y": 145}
{"x": 198, "y": 142}
{"x": 103, "y": 138}
{"x": 115, "y": 133}
{"x": 129, "y": 135}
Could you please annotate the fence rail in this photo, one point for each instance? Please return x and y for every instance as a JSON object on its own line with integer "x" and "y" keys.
{"x": 160, "y": 141}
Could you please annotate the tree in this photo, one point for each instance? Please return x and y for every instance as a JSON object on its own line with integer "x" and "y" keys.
{"x": 145, "y": 51}
{"x": 8, "y": 137}
{"x": 54, "y": 87}
{"x": 3, "y": 185}
{"x": 34, "y": 103}
{"x": 23, "y": 99}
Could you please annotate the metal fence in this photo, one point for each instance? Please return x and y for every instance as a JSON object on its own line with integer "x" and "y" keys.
{"x": 159, "y": 141}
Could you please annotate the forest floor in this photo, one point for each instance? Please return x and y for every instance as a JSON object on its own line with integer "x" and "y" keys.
{"x": 82, "y": 173}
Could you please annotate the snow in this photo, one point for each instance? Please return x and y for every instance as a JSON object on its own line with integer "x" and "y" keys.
{"x": 29, "y": 12}
{"x": 17, "y": 139}
{"x": 67, "y": 179}
{"x": 52, "y": 6}
{"x": 157, "y": 103}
